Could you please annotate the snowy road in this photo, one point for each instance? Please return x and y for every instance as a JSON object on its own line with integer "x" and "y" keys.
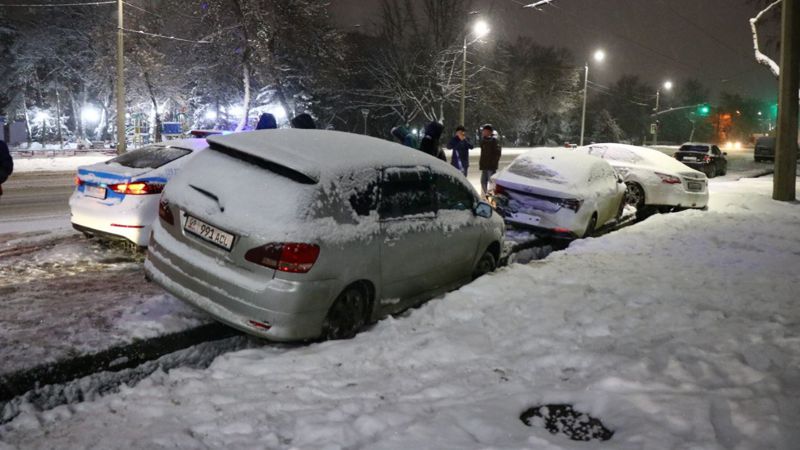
{"x": 678, "y": 332}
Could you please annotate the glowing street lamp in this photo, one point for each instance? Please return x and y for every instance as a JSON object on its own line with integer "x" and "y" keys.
{"x": 599, "y": 56}
{"x": 90, "y": 114}
{"x": 667, "y": 86}
{"x": 480, "y": 29}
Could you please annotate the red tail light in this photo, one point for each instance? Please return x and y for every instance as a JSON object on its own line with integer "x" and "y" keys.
{"x": 499, "y": 190}
{"x": 707, "y": 158}
{"x": 285, "y": 257}
{"x": 78, "y": 181}
{"x": 137, "y": 188}
{"x": 668, "y": 179}
{"x": 165, "y": 213}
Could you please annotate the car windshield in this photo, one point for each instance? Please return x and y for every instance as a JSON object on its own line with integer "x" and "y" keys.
{"x": 622, "y": 155}
{"x": 535, "y": 170}
{"x": 151, "y": 157}
{"x": 695, "y": 148}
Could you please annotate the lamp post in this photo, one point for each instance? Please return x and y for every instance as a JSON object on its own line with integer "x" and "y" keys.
{"x": 667, "y": 87}
{"x": 599, "y": 56}
{"x": 480, "y": 29}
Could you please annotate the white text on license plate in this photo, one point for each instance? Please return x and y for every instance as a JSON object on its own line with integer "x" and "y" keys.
{"x": 209, "y": 233}
{"x": 94, "y": 192}
{"x": 695, "y": 186}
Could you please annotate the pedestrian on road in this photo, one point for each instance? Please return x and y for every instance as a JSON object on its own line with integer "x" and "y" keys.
{"x": 430, "y": 143}
{"x": 460, "y": 146}
{"x": 405, "y": 137}
{"x": 6, "y": 164}
{"x": 490, "y": 156}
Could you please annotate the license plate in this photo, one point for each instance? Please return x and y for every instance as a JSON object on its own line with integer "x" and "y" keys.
{"x": 690, "y": 158}
{"x": 695, "y": 186}
{"x": 209, "y": 233}
{"x": 526, "y": 218}
{"x": 94, "y": 192}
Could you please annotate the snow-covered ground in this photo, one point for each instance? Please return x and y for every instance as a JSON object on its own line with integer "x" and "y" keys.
{"x": 57, "y": 163}
{"x": 62, "y": 296}
{"x": 681, "y": 332}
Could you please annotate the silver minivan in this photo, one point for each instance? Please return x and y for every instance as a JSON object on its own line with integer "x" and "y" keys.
{"x": 300, "y": 234}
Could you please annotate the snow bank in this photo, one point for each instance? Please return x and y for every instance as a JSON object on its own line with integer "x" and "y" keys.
{"x": 56, "y": 164}
{"x": 679, "y": 332}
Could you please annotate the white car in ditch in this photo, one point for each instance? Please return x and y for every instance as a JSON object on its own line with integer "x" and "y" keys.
{"x": 558, "y": 192}
{"x": 655, "y": 181}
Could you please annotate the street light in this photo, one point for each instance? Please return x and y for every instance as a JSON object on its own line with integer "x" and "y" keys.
{"x": 667, "y": 87}
{"x": 599, "y": 56}
{"x": 90, "y": 114}
{"x": 480, "y": 30}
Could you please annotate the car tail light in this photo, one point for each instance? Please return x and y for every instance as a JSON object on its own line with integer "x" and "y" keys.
{"x": 499, "y": 190}
{"x": 78, "y": 181}
{"x": 707, "y": 158}
{"x": 668, "y": 179}
{"x": 571, "y": 203}
{"x": 285, "y": 257}
{"x": 137, "y": 188}
{"x": 164, "y": 212}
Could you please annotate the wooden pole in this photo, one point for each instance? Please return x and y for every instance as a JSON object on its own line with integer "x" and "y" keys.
{"x": 784, "y": 188}
{"x": 120, "y": 81}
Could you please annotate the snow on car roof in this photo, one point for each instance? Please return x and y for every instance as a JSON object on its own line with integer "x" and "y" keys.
{"x": 554, "y": 169}
{"x": 650, "y": 157}
{"x": 314, "y": 152}
{"x": 188, "y": 144}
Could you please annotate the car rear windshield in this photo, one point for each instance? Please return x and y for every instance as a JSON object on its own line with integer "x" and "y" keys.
{"x": 151, "y": 157}
{"x": 534, "y": 170}
{"x": 694, "y": 148}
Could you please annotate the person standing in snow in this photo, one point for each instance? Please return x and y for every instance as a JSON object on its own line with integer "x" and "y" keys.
{"x": 405, "y": 137}
{"x": 490, "y": 156}
{"x": 430, "y": 143}
{"x": 6, "y": 164}
{"x": 304, "y": 121}
{"x": 460, "y": 146}
{"x": 267, "y": 122}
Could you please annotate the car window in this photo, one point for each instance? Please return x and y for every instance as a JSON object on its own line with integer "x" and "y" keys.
{"x": 715, "y": 150}
{"x": 406, "y": 192}
{"x": 597, "y": 151}
{"x": 151, "y": 157}
{"x": 596, "y": 174}
{"x": 694, "y": 148}
{"x": 621, "y": 155}
{"x": 364, "y": 198}
{"x": 534, "y": 170}
{"x": 452, "y": 194}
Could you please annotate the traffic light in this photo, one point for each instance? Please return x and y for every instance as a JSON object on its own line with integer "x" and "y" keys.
{"x": 704, "y": 110}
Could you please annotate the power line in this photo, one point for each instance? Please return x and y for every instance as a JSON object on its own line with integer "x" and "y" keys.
{"x": 161, "y": 36}
{"x": 59, "y": 5}
{"x": 141, "y": 9}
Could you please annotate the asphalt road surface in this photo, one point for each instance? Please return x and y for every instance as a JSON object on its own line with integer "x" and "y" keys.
{"x": 43, "y": 196}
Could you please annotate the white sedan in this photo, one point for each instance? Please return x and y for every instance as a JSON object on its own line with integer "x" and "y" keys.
{"x": 558, "y": 192}
{"x": 655, "y": 181}
{"x": 118, "y": 199}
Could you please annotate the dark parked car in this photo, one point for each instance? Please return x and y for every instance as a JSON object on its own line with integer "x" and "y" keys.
{"x": 765, "y": 149}
{"x": 707, "y": 158}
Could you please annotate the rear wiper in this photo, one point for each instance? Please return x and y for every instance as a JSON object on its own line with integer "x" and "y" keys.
{"x": 209, "y": 195}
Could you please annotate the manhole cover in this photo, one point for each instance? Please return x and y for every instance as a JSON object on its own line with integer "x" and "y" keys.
{"x": 563, "y": 419}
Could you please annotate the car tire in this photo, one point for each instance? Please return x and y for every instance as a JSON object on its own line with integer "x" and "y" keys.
{"x": 487, "y": 263}
{"x": 711, "y": 171}
{"x": 348, "y": 314}
{"x": 635, "y": 196}
{"x": 591, "y": 227}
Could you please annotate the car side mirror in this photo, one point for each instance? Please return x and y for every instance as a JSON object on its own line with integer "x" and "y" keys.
{"x": 724, "y": 153}
{"x": 483, "y": 209}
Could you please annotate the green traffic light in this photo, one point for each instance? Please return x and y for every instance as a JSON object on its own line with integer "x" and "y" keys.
{"x": 704, "y": 110}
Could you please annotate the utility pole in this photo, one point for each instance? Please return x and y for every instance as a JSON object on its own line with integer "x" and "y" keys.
{"x": 120, "y": 82}
{"x": 58, "y": 119}
{"x": 463, "y": 111}
{"x": 585, "y": 94}
{"x": 784, "y": 187}
{"x": 655, "y": 131}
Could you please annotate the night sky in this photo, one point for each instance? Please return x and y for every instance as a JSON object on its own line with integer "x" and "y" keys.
{"x": 657, "y": 39}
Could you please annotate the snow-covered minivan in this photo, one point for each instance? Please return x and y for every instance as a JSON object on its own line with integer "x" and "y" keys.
{"x": 308, "y": 233}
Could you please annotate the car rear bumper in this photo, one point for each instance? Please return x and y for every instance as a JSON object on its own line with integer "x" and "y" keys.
{"x": 561, "y": 224}
{"x": 293, "y": 311}
{"x": 131, "y": 218}
{"x": 677, "y": 195}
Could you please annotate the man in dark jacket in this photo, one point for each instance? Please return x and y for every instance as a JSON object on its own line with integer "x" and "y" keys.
{"x": 304, "y": 121}
{"x": 405, "y": 137}
{"x": 430, "y": 143}
{"x": 267, "y": 122}
{"x": 490, "y": 156}
{"x": 6, "y": 164}
{"x": 460, "y": 146}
